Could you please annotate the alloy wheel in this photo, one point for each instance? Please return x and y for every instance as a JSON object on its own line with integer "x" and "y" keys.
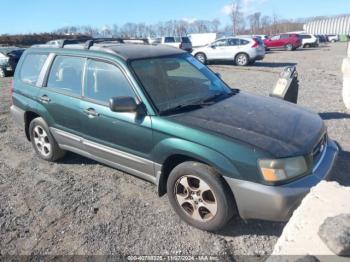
{"x": 41, "y": 141}
{"x": 201, "y": 58}
{"x": 242, "y": 60}
{"x": 196, "y": 198}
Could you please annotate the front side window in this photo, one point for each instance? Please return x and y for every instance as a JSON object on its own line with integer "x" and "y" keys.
{"x": 104, "y": 81}
{"x": 276, "y": 37}
{"x": 178, "y": 81}
{"x": 31, "y": 68}
{"x": 222, "y": 42}
{"x": 66, "y": 74}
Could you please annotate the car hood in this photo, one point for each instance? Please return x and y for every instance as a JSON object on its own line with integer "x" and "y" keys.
{"x": 280, "y": 128}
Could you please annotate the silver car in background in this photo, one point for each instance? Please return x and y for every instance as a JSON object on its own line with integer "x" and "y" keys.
{"x": 241, "y": 50}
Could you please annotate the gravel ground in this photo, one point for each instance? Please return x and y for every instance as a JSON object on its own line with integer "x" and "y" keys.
{"x": 81, "y": 207}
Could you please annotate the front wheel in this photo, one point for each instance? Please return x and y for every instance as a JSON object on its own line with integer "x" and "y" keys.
{"x": 242, "y": 59}
{"x": 201, "y": 58}
{"x": 43, "y": 142}
{"x": 199, "y": 196}
{"x": 289, "y": 47}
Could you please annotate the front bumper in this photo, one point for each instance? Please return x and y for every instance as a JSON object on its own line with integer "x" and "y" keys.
{"x": 277, "y": 203}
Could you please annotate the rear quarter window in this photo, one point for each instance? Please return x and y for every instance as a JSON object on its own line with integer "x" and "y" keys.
{"x": 31, "y": 68}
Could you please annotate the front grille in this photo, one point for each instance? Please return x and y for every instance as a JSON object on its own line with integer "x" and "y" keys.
{"x": 318, "y": 150}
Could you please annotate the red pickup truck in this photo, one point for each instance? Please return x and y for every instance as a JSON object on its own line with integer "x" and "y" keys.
{"x": 289, "y": 42}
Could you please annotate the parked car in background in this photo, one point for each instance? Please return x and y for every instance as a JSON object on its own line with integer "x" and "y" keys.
{"x": 287, "y": 41}
{"x": 183, "y": 42}
{"x": 333, "y": 38}
{"x": 159, "y": 114}
{"x": 9, "y": 57}
{"x": 262, "y": 37}
{"x": 242, "y": 51}
{"x": 309, "y": 40}
{"x": 322, "y": 38}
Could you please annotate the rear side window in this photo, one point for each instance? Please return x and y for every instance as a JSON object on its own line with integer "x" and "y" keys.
{"x": 233, "y": 42}
{"x": 285, "y": 36}
{"x": 244, "y": 42}
{"x": 66, "y": 74}
{"x": 31, "y": 68}
{"x": 104, "y": 81}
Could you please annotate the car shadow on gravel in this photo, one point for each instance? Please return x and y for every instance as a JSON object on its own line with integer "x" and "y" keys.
{"x": 340, "y": 170}
{"x": 256, "y": 64}
{"x": 75, "y": 159}
{"x": 272, "y": 64}
{"x": 240, "y": 227}
{"x": 333, "y": 115}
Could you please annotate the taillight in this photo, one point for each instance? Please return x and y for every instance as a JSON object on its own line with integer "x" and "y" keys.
{"x": 256, "y": 44}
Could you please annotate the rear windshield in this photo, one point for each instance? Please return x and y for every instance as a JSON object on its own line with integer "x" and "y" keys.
{"x": 185, "y": 40}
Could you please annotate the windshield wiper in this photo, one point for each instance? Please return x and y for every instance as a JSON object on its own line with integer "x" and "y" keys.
{"x": 184, "y": 107}
{"x": 219, "y": 95}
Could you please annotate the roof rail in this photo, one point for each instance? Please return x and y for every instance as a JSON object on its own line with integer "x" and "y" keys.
{"x": 70, "y": 42}
{"x": 90, "y": 43}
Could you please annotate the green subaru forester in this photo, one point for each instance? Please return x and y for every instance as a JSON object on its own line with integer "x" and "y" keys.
{"x": 157, "y": 113}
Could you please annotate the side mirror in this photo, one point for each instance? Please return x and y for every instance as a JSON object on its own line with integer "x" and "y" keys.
{"x": 123, "y": 104}
{"x": 213, "y": 46}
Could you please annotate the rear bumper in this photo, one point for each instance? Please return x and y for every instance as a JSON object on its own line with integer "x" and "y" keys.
{"x": 277, "y": 203}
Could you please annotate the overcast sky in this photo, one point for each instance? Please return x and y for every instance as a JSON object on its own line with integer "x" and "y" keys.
{"x": 22, "y": 16}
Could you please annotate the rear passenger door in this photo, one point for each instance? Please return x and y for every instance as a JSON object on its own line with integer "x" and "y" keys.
{"x": 233, "y": 47}
{"x": 61, "y": 94}
{"x": 124, "y": 139}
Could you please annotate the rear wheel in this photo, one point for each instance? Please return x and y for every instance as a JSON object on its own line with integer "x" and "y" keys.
{"x": 43, "y": 142}
{"x": 199, "y": 196}
{"x": 306, "y": 46}
{"x": 242, "y": 59}
{"x": 201, "y": 57}
{"x": 289, "y": 47}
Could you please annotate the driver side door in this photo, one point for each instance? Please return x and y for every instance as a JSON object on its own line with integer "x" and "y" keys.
{"x": 217, "y": 50}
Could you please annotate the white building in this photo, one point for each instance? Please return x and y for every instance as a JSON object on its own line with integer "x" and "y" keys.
{"x": 339, "y": 25}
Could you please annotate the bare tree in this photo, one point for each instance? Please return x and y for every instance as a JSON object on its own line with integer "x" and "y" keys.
{"x": 236, "y": 16}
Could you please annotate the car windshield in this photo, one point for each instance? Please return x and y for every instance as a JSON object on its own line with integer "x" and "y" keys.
{"x": 179, "y": 81}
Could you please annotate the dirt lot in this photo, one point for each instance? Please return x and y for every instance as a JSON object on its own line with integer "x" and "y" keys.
{"x": 81, "y": 207}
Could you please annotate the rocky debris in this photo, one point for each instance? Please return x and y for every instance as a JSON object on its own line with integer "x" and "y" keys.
{"x": 335, "y": 232}
{"x": 300, "y": 235}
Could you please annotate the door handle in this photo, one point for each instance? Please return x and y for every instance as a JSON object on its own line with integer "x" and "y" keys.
{"x": 45, "y": 99}
{"x": 91, "y": 112}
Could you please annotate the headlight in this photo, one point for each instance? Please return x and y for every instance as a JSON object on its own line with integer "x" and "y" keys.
{"x": 274, "y": 170}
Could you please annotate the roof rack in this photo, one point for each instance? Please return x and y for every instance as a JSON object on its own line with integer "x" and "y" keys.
{"x": 71, "y": 42}
{"x": 90, "y": 43}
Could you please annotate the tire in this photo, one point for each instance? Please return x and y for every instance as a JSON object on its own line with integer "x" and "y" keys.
{"x": 194, "y": 201}
{"x": 332, "y": 41}
{"x": 201, "y": 57}
{"x": 289, "y": 47}
{"x": 242, "y": 59}
{"x": 306, "y": 46}
{"x": 2, "y": 73}
{"x": 43, "y": 142}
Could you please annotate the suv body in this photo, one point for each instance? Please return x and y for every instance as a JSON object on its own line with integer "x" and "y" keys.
{"x": 309, "y": 40}
{"x": 241, "y": 50}
{"x": 9, "y": 58}
{"x": 183, "y": 42}
{"x": 131, "y": 107}
{"x": 287, "y": 41}
{"x": 333, "y": 38}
